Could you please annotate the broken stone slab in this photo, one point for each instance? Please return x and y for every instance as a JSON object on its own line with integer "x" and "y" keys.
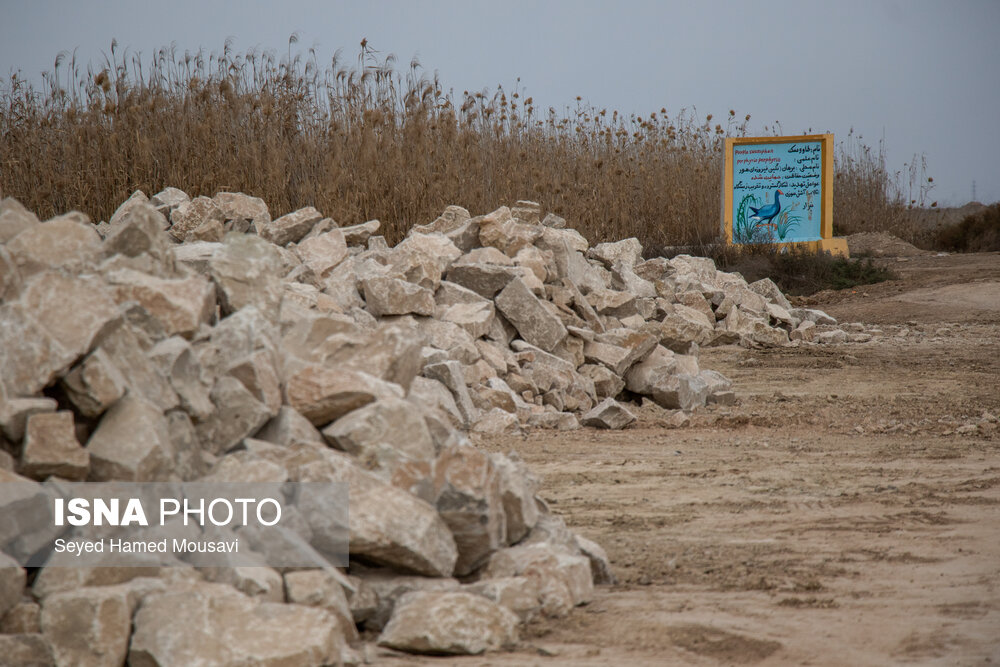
{"x": 323, "y": 394}
{"x": 527, "y": 211}
{"x": 177, "y": 362}
{"x": 51, "y": 448}
{"x": 619, "y": 352}
{"x": 359, "y": 234}
{"x": 804, "y": 331}
{"x": 382, "y": 434}
{"x": 139, "y": 233}
{"x": 600, "y": 566}
{"x": 812, "y": 315}
{"x": 238, "y": 414}
{"x": 241, "y": 211}
{"x": 123, "y": 350}
{"x": 289, "y": 427}
{"x": 77, "y": 312}
{"x": 190, "y": 215}
{"x": 388, "y": 525}
{"x": 607, "y": 384}
{"x": 517, "y": 489}
{"x": 609, "y": 414}
{"x": 390, "y": 352}
{"x": 246, "y": 272}
{"x": 180, "y": 305}
{"x": 135, "y": 199}
{"x": 624, "y": 278}
{"x": 612, "y": 302}
{"x": 15, "y": 412}
{"x": 548, "y": 564}
{"x": 168, "y": 199}
{"x": 468, "y": 499}
{"x": 682, "y": 328}
{"x": 387, "y": 587}
{"x": 644, "y": 376}
{"x": 520, "y": 595}
{"x": 781, "y": 316}
{"x": 324, "y": 252}
{"x": 215, "y": 624}
{"x": 533, "y": 321}
{"x": 322, "y": 589}
{"x": 483, "y": 279}
{"x": 557, "y": 421}
{"x": 259, "y": 375}
{"x": 475, "y": 318}
{"x": 289, "y": 228}
{"x": 449, "y": 373}
{"x": 195, "y": 255}
{"x": 626, "y": 251}
{"x": 431, "y": 393}
{"x": 89, "y": 626}
{"x": 554, "y": 221}
{"x": 116, "y": 453}
{"x": 60, "y": 243}
{"x": 423, "y": 258}
{"x": 451, "y": 294}
{"x": 770, "y": 291}
{"x": 501, "y": 231}
{"x": 452, "y": 218}
{"x": 392, "y": 296}
{"x": 452, "y": 623}
{"x": 497, "y": 421}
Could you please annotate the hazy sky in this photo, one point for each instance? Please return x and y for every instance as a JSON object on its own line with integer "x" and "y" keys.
{"x": 925, "y": 75}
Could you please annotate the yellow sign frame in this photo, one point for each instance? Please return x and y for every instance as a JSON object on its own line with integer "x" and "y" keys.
{"x": 827, "y": 242}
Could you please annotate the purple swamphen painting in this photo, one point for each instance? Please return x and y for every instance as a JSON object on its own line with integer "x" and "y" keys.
{"x": 765, "y": 214}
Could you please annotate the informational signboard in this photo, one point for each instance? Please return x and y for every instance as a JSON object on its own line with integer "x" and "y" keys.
{"x": 778, "y": 190}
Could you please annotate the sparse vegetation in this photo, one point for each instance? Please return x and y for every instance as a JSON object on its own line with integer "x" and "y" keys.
{"x": 360, "y": 139}
{"x": 979, "y": 232}
{"x": 796, "y": 271}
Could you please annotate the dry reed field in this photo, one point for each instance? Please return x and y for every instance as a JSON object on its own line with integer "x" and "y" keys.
{"x": 363, "y": 138}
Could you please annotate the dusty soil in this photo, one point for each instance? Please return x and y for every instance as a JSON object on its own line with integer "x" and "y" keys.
{"x": 845, "y": 512}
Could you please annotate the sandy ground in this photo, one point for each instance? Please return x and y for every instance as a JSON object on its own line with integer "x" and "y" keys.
{"x": 845, "y": 512}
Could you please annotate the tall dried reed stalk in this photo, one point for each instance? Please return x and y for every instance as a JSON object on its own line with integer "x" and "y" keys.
{"x": 362, "y": 140}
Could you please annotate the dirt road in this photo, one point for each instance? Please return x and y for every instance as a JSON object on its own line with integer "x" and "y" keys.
{"x": 845, "y": 512}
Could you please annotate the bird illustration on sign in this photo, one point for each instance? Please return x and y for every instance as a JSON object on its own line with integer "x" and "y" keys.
{"x": 757, "y": 222}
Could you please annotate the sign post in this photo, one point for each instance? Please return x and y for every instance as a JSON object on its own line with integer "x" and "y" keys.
{"x": 780, "y": 190}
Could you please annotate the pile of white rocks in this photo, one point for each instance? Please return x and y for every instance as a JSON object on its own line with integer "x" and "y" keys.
{"x": 198, "y": 339}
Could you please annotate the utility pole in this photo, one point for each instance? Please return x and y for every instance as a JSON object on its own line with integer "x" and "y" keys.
{"x": 973, "y": 191}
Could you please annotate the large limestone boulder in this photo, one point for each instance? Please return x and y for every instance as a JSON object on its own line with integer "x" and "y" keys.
{"x": 322, "y": 394}
{"x": 535, "y": 323}
{"x": 388, "y": 526}
{"x": 288, "y": 228}
{"x": 246, "y": 272}
{"x": 383, "y": 434}
{"x": 213, "y": 624}
{"x": 180, "y": 305}
{"x": 392, "y": 296}
{"x": 443, "y": 622}
{"x": 192, "y": 214}
{"x": 467, "y": 489}
{"x": 89, "y": 626}
{"x": 116, "y": 453}
{"x": 60, "y": 243}
{"x": 51, "y": 448}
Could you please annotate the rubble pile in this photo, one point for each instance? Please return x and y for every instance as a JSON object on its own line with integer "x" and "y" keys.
{"x": 200, "y": 339}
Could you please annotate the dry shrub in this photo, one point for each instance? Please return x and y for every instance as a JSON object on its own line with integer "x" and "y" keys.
{"x": 362, "y": 140}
